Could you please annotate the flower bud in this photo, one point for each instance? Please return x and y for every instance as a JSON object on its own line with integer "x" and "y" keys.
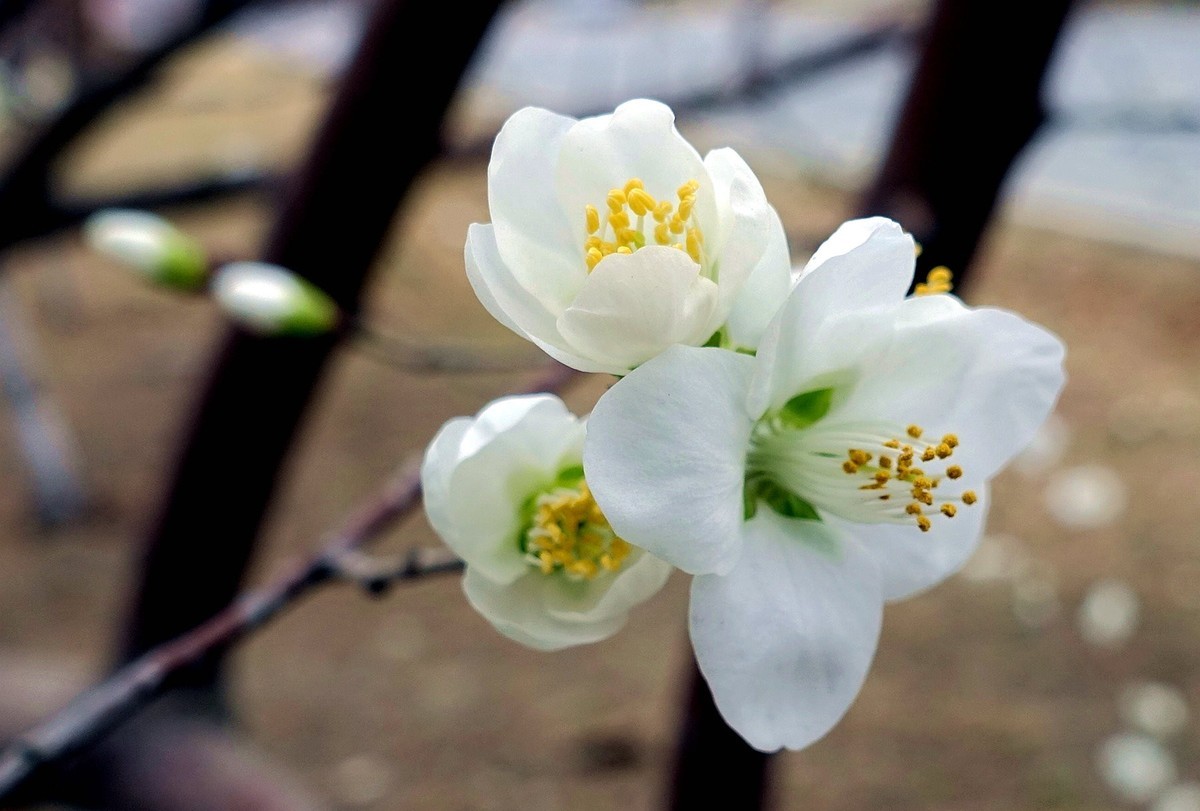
{"x": 271, "y": 300}
{"x": 149, "y": 244}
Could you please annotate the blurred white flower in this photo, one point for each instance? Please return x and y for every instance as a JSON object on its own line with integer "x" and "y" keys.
{"x": 611, "y": 239}
{"x": 271, "y": 300}
{"x": 150, "y": 245}
{"x": 843, "y": 466}
{"x": 1108, "y": 615}
{"x": 1137, "y": 768}
{"x": 1179, "y": 797}
{"x": 505, "y": 490}
{"x": 1085, "y": 497}
{"x": 1154, "y": 708}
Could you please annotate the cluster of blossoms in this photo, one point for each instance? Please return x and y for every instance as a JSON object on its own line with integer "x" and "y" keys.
{"x": 807, "y": 448}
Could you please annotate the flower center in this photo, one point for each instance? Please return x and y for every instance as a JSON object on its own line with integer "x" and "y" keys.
{"x": 860, "y": 472}
{"x": 622, "y": 227}
{"x": 569, "y": 533}
{"x": 938, "y": 280}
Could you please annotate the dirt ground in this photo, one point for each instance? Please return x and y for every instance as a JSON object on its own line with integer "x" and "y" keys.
{"x": 413, "y": 701}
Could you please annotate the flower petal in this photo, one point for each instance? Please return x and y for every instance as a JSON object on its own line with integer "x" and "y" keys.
{"x": 510, "y": 303}
{"x": 665, "y": 456}
{"x": 532, "y": 230}
{"x": 551, "y": 612}
{"x": 639, "y": 140}
{"x": 633, "y": 306}
{"x": 764, "y": 292}
{"x": 437, "y": 467}
{"x": 984, "y": 374}
{"x": 747, "y": 225}
{"x": 868, "y": 267}
{"x": 786, "y": 638}
{"x": 911, "y": 561}
{"x": 515, "y": 447}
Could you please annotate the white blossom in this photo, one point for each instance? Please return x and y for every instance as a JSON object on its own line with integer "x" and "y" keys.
{"x": 845, "y": 465}
{"x": 505, "y": 490}
{"x": 612, "y": 239}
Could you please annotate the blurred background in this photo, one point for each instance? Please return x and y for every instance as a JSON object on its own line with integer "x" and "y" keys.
{"x": 1061, "y": 669}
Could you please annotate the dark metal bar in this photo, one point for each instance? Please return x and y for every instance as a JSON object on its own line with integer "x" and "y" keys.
{"x": 972, "y": 106}
{"x": 333, "y": 222}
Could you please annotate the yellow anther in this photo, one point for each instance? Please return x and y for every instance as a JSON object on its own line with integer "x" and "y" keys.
{"x": 885, "y": 462}
{"x": 593, "y": 258}
{"x": 640, "y": 202}
{"x": 925, "y": 497}
{"x": 928, "y": 454}
{"x": 677, "y": 225}
{"x": 662, "y": 211}
{"x": 691, "y": 187}
{"x": 616, "y": 201}
{"x": 949, "y": 510}
{"x": 859, "y": 457}
{"x": 892, "y": 443}
{"x": 937, "y": 280}
{"x": 923, "y": 523}
{"x": 850, "y": 467}
{"x": 618, "y": 220}
{"x": 882, "y": 477}
{"x": 921, "y": 481}
{"x": 915, "y": 431}
{"x": 969, "y": 497}
{"x": 593, "y": 219}
{"x": 943, "y": 450}
{"x": 694, "y": 245}
{"x": 628, "y": 236}
{"x": 940, "y": 275}
{"x": 951, "y": 440}
{"x": 913, "y": 509}
{"x": 662, "y": 234}
{"x": 633, "y": 183}
{"x": 954, "y": 471}
{"x": 625, "y": 249}
{"x": 686, "y": 205}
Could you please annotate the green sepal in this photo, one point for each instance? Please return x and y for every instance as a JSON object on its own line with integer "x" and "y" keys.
{"x": 312, "y": 312}
{"x": 804, "y": 409}
{"x": 183, "y": 265}
{"x": 779, "y": 499}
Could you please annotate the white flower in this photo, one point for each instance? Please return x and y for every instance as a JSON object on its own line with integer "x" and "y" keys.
{"x": 797, "y": 484}
{"x": 505, "y": 490}
{"x": 148, "y": 244}
{"x": 271, "y": 300}
{"x": 611, "y": 239}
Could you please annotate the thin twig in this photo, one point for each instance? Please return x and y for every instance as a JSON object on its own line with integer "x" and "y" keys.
{"x": 98, "y": 710}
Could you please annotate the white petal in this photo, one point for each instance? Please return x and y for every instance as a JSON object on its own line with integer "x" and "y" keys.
{"x": 746, "y": 224}
{"x": 516, "y": 447}
{"x": 550, "y": 612}
{"x": 638, "y": 140}
{"x": 986, "y": 375}
{"x": 848, "y": 237}
{"x": 441, "y": 457}
{"x": 665, "y": 456}
{"x": 785, "y": 639}
{"x": 532, "y": 229}
{"x": 869, "y": 268}
{"x": 910, "y": 560}
{"x": 510, "y": 303}
{"x": 764, "y": 292}
{"x": 633, "y": 306}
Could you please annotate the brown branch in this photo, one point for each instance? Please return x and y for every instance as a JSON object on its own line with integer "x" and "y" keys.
{"x": 98, "y": 710}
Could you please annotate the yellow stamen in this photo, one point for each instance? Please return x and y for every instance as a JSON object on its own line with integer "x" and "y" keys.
{"x": 915, "y": 431}
{"x": 569, "y": 533}
{"x": 627, "y": 209}
{"x": 969, "y": 497}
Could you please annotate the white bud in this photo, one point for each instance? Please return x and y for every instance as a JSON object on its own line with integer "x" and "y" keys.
{"x": 149, "y": 244}
{"x": 271, "y": 300}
